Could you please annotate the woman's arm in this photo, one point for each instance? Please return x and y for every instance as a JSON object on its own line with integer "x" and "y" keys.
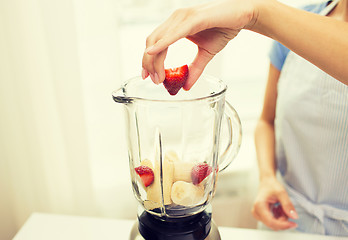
{"x": 319, "y": 39}
{"x": 270, "y": 190}
{"x": 264, "y": 132}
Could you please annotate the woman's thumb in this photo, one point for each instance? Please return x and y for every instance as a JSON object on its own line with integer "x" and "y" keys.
{"x": 197, "y": 66}
{"x": 287, "y": 206}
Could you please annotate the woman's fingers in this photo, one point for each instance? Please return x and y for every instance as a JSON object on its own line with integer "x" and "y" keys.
{"x": 148, "y": 68}
{"x": 287, "y": 205}
{"x": 262, "y": 212}
{"x": 196, "y": 68}
{"x": 177, "y": 26}
{"x": 154, "y": 63}
{"x": 273, "y": 206}
{"x": 159, "y": 66}
{"x": 147, "y": 61}
{"x": 210, "y": 26}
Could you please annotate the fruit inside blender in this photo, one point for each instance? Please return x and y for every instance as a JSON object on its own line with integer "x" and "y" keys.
{"x": 181, "y": 188}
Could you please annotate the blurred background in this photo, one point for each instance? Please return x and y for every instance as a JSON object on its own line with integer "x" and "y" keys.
{"x": 62, "y": 141}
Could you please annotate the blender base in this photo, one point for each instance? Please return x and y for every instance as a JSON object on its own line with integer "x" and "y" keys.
{"x": 156, "y": 229}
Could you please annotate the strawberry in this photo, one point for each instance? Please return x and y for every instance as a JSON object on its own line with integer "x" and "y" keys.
{"x": 175, "y": 79}
{"x": 146, "y": 175}
{"x": 277, "y": 210}
{"x": 199, "y": 172}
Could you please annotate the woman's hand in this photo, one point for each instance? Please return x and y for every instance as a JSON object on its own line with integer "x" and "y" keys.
{"x": 270, "y": 193}
{"x": 210, "y": 26}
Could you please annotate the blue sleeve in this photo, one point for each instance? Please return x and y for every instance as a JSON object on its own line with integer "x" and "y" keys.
{"x": 278, "y": 55}
{"x": 278, "y": 51}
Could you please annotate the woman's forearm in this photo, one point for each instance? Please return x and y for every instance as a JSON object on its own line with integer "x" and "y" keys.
{"x": 321, "y": 40}
{"x": 264, "y": 142}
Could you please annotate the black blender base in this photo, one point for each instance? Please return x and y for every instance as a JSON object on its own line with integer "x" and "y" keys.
{"x": 213, "y": 234}
{"x": 201, "y": 227}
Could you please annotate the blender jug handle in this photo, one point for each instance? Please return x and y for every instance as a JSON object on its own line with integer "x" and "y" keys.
{"x": 234, "y": 137}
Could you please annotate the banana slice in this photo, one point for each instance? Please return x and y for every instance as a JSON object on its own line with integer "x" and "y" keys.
{"x": 146, "y": 162}
{"x": 186, "y": 194}
{"x": 151, "y": 205}
{"x": 168, "y": 175}
{"x": 154, "y": 193}
{"x": 171, "y": 156}
{"x": 182, "y": 171}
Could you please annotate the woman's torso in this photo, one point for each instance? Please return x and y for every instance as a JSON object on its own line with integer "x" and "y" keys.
{"x": 311, "y": 128}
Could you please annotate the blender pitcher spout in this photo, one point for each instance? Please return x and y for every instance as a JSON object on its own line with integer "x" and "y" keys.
{"x": 119, "y": 96}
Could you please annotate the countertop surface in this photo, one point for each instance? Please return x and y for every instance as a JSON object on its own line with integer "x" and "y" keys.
{"x": 41, "y": 226}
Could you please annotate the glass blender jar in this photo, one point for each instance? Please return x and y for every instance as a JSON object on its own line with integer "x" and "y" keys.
{"x": 176, "y": 150}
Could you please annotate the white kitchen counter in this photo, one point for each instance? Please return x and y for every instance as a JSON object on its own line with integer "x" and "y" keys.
{"x": 61, "y": 227}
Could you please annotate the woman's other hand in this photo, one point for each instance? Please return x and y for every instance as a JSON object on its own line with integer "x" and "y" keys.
{"x": 273, "y": 206}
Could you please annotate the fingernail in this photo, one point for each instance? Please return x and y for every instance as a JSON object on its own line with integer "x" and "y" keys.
{"x": 152, "y": 77}
{"x": 148, "y": 49}
{"x": 143, "y": 74}
{"x": 293, "y": 214}
{"x": 294, "y": 226}
{"x": 157, "y": 78}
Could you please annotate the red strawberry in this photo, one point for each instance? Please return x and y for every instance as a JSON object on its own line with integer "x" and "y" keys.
{"x": 146, "y": 175}
{"x": 199, "y": 172}
{"x": 175, "y": 79}
{"x": 277, "y": 210}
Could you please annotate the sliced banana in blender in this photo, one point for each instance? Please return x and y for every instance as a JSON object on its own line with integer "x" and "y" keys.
{"x": 182, "y": 171}
{"x": 168, "y": 174}
{"x": 154, "y": 193}
{"x": 171, "y": 156}
{"x": 147, "y": 162}
{"x": 186, "y": 194}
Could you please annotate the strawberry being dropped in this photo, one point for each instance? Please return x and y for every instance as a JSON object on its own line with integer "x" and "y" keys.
{"x": 146, "y": 175}
{"x": 199, "y": 172}
{"x": 175, "y": 79}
